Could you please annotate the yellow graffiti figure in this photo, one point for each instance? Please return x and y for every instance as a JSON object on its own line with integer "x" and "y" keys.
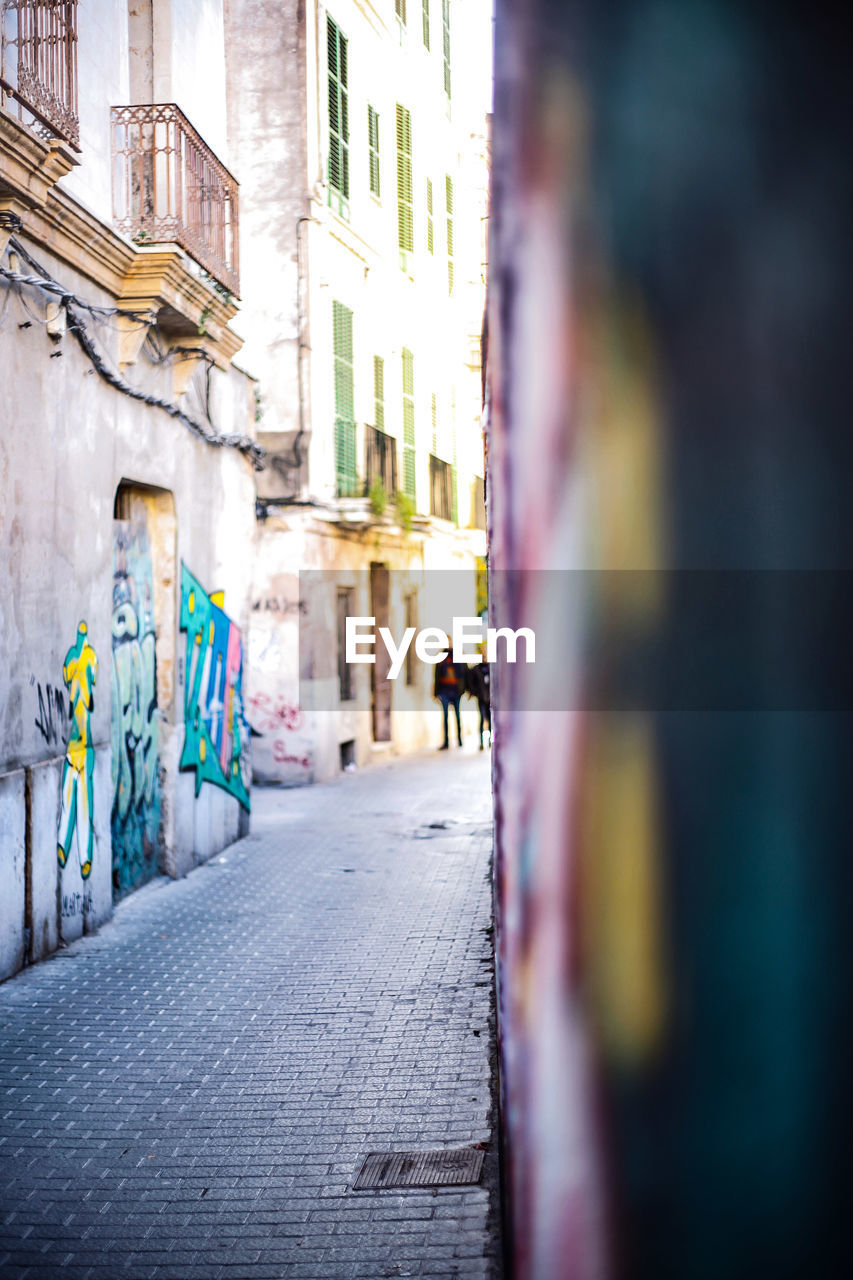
{"x": 79, "y": 673}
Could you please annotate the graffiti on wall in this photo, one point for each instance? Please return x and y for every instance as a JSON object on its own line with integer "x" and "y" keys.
{"x": 80, "y": 671}
{"x": 52, "y": 714}
{"x": 216, "y": 728}
{"x": 274, "y": 716}
{"x": 271, "y": 714}
{"x": 135, "y": 822}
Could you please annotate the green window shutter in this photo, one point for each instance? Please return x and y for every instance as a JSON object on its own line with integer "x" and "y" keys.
{"x": 345, "y": 465}
{"x": 430, "y": 224}
{"x": 405, "y": 216}
{"x": 408, "y": 422}
{"x": 445, "y": 22}
{"x": 448, "y": 200}
{"x": 408, "y": 373}
{"x": 338, "y": 117}
{"x": 379, "y": 392}
{"x": 373, "y": 148}
{"x": 426, "y": 24}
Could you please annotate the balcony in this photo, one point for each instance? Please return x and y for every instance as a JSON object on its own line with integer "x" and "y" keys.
{"x": 38, "y": 65}
{"x": 169, "y": 188}
{"x": 440, "y": 488}
{"x": 380, "y": 460}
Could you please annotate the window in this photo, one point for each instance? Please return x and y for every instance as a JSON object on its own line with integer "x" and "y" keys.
{"x": 440, "y": 488}
{"x": 448, "y": 200}
{"x": 338, "y": 119}
{"x": 426, "y": 23}
{"x": 345, "y": 610}
{"x": 408, "y": 423}
{"x": 345, "y": 468}
{"x": 445, "y": 22}
{"x": 380, "y": 462}
{"x": 430, "y": 224}
{"x": 405, "y": 219}
{"x": 400, "y": 10}
{"x": 373, "y": 148}
{"x": 379, "y": 392}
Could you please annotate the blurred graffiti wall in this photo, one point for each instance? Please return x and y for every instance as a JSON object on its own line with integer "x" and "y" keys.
{"x": 668, "y": 438}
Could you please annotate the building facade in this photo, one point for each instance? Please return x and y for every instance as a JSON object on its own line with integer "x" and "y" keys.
{"x": 362, "y": 157}
{"x": 127, "y": 461}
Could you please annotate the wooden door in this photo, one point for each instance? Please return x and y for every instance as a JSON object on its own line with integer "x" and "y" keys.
{"x": 381, "y": 685}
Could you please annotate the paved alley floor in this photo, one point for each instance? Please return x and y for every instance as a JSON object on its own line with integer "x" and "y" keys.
{"x": 189, "y": 1093}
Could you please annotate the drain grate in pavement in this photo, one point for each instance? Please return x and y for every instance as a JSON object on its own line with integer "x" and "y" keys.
{"x": 447, "y": 1168}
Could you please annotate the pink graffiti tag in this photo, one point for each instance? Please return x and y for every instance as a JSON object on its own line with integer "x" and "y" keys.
{"x": 281, "y": 756}
{"x": 271, "y": 715}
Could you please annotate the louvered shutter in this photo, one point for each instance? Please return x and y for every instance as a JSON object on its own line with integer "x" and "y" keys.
{"x": 373, "y": 148}
{"x": 430, "y": 223}
{"x": 409, "y": 422}
{"x": 405, "y": 216}
{"x": 338, "y": 116}
{"x": 379, "y": 392}
{"x": 448, "y": 199}
{"x": 445, "y": 22}
{"x": 345, "y": 461}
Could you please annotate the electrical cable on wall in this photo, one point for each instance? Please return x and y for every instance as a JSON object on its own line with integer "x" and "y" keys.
{"x": 74, "y": 306}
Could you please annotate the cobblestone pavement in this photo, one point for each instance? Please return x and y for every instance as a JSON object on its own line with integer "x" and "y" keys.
{"x": 189, "y": 1093}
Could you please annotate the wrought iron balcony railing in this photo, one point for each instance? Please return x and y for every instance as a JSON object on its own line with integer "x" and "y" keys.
{"x": 169, "y": 188}
{"x": 38, "y": 64}
{"x": 380, "y": 460}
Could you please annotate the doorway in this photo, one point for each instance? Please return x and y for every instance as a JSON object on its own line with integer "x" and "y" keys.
{"x": 141, "y": 677}
{"x": 380, "y": 684}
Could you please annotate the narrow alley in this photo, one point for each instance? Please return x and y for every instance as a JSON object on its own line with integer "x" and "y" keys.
{"x": 190, "y": 1092}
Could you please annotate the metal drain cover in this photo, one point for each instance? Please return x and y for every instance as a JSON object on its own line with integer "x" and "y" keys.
{"x": 420, "y": 1168}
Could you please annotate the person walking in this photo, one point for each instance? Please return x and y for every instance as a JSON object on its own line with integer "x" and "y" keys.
{"x": 449, "y": 685}
{"x": 479, "y": 687}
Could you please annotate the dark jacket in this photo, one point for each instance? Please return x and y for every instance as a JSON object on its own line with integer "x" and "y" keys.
{"x": 479, "y": 682}
{"x": 450, "y": 678}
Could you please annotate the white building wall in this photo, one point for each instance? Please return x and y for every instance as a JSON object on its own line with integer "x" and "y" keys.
{"x": 282, "y": 153}
{"x": 196, "y": 67}
{"x": 103, "y": 79}
{"x": 187, "y": 55}
{"x": 358, "y": 255}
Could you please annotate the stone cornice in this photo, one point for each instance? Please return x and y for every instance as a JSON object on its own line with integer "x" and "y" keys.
{"x": 160, "y": 279}
{"x": 29, "y": 166}
{"x": 74, "y": 235}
